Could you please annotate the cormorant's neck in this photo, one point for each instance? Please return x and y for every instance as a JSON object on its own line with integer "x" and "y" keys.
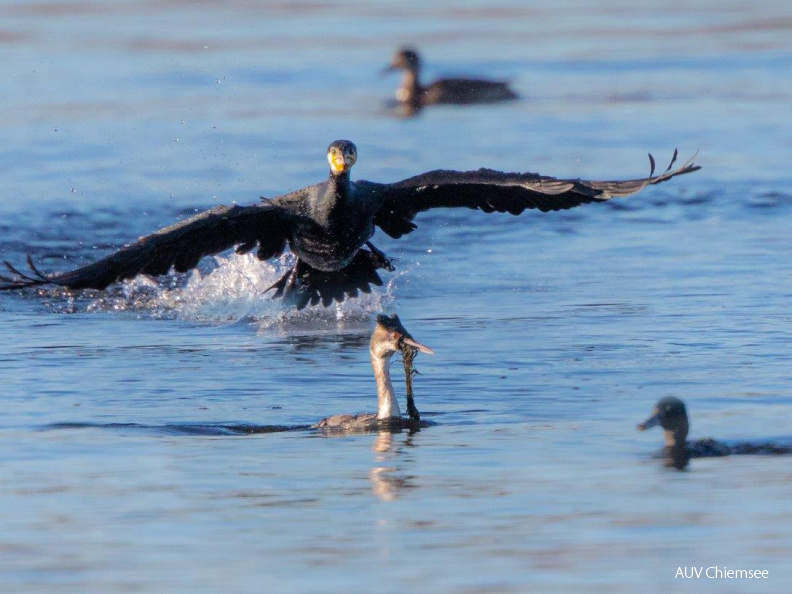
{"x": 676, "y": 437}
{"x": 339, "y": 185}
{"x": 676, "y": 457}
{"x": 410, "y": 89}
{"x": 330, "y": 205}
{"x": 387, "y": 406}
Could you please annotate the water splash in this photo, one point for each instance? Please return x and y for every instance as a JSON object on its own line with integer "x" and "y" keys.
{"x": 222, "y": 290}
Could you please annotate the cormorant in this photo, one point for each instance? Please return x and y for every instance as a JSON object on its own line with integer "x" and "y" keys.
{"x": 449, "y": 91}
{"x": 670, "y": 413}
{"x": 327, "y": 226}
{"x": 388, "y": 337}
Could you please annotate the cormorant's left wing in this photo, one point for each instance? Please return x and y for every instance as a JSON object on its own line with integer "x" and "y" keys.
{"x": 180, "y": 246}
{"x": 495, "y": 191}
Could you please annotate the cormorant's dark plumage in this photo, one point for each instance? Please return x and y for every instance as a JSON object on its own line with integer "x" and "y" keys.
{"x": 448, "y": 91}
{"x": 670, "y": 413}
{"x": 328, "y": 226}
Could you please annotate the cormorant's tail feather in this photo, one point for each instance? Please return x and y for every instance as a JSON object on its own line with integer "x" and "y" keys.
{"x": 303, "y": 285}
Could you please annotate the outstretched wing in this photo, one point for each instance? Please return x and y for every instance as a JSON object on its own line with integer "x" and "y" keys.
{"x": 180, "y": 246}
{"x": 495, "y": 191}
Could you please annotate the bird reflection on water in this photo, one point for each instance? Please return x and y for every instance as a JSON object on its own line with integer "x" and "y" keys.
{"x": 388, "y": 482}
{"x": 342, "y": 343}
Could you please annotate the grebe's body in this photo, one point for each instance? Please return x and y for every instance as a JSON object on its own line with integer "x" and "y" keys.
{"x": 389, "y": 337}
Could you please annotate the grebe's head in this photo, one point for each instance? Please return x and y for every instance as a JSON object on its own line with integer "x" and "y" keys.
{"x": 670, "y": 413}
{"x": 405, "y": 58}
{"x": 390, "y": 336}
{"x": 341, "y": 155}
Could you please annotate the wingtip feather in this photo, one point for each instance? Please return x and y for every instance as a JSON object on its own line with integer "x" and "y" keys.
{"x": 673, "y": 160}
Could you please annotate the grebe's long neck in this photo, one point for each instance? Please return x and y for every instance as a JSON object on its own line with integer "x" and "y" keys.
{"x": 387, "y": 406}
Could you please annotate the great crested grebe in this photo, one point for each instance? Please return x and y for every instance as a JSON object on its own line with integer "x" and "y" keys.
{"x": 671, "y": 414}
{"x": 446, "y": 91}
{"x": 328, "y": 226}
{"x": 389, "y": 336}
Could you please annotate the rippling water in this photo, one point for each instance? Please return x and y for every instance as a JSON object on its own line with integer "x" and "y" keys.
{"x": 554, "y": 333}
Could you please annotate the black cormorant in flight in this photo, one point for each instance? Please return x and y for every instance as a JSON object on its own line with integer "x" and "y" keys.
{"x": 328, "y": 226}
{"x": 446, "y": 91}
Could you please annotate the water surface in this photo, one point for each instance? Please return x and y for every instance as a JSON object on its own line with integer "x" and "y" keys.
{"x": 554, "y": 333}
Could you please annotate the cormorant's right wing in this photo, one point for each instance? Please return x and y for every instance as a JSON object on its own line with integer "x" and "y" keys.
{"x": 496, "y": 191}
{"x": 180, "y": 246}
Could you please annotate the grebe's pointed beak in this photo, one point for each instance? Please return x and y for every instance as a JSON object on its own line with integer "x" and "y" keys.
{"x": 387, "y": 70}
{"x": 417, "y": 345}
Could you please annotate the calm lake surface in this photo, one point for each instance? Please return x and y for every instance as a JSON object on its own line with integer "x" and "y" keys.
{"x": 554, "y": 333}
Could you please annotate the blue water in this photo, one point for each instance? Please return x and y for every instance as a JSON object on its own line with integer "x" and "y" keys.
{"x": 554, "y": 333}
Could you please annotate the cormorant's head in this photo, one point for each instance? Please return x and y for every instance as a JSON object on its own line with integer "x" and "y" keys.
{"x": 670, "y": 413}
{"x": 390, "y": 336}
{"x": 405, "y": 58}
{"x": 341, "y": 155}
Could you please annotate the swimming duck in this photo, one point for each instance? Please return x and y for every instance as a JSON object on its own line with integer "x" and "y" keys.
{"x": 670, "y": 413}
{"x": 327, "y": 226}
{"x": 454, "y": 91}
{"x": 389, "y": 337}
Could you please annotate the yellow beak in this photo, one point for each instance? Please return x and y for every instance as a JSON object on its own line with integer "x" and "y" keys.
{"x": 338, "y": 163}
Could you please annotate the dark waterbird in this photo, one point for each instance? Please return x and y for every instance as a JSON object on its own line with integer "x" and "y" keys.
{"x": 448, "y": 91}
{"x": 327, "y": 226}
{"x": 671, "y": 414}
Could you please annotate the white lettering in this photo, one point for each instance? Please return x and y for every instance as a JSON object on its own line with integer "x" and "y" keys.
{"x": 715, "y": 572}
